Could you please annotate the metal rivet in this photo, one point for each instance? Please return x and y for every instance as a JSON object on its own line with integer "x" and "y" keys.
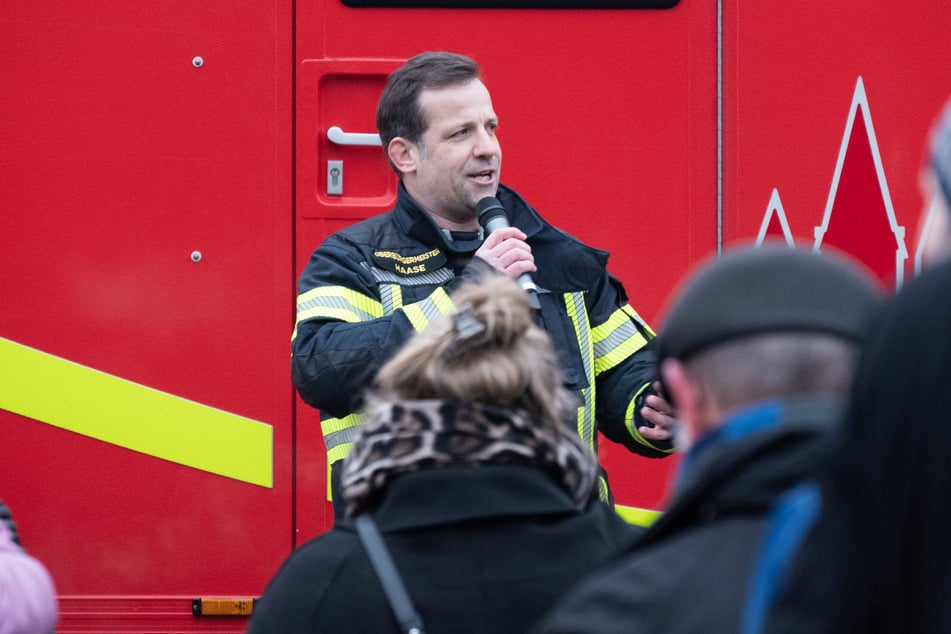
{"x": 197, "y": 61}
{"x": 196, "y": 256}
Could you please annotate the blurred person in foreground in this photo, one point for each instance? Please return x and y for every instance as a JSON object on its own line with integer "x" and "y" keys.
{"x": 875, "y": 556}
{"x": 757, "y": 354}
{"x": 27, "y": 594}
{"x": 486, "y": 501}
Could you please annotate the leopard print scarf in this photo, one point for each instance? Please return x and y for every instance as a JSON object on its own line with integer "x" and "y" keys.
{"x": 432, "y": 434}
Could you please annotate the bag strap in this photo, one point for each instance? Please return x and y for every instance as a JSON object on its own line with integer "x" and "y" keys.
{"x": 409, "y": 620}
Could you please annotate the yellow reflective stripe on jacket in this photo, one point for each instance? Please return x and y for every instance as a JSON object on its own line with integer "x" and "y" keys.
{"x": 603, "y": 493}
{"x": 574, "y": 303}
{"x": 627, "y": 308}
{"x": 391, "y": 296}
{"x": 422, "y": 312}
{"x": 339, "y": 434}
{"x": 615, "y": 340}
{"x": 635, "y": 434}
{"x": 336, "y": 302}
{"x": 339, "y": 452}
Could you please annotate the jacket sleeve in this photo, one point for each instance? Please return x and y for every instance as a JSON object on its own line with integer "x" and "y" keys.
{"x": 344, "y": 331}
{"x": 341, "y": 337}
{"x": 625, "y": 367}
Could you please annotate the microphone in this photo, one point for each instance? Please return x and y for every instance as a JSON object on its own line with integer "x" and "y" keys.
{"x": 492, "y": 216}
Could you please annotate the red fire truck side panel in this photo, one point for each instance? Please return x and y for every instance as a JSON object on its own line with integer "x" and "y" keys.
{"x": 826, "y": 111}
{"x": 166, "y": 171}
{"x": 145, "y": 224}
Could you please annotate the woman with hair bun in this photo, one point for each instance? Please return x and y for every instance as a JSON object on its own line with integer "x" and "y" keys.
{"x": 486, "y": 500}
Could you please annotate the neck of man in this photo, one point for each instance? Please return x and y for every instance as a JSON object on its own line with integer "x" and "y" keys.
{"x": 447, "y": 220}
{"x": 452, "y": 225}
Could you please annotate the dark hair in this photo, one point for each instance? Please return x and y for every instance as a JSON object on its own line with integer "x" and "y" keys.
{"x": 398, "y": 113}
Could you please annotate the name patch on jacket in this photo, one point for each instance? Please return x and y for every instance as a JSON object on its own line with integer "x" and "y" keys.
{"x": 409, "y": 264}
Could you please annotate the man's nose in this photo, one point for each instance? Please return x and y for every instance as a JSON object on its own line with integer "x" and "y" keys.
{"x": 486, "y": 144}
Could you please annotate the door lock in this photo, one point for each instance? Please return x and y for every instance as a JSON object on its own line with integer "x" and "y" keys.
{"x": 334, "y": 178}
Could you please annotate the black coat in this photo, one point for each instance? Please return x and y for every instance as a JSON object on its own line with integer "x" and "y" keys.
{"x": 346, "y": 333}
{"x": 879, "y": 557}
{"x": 691, "y": 571}
{"x": 484, "y": 549}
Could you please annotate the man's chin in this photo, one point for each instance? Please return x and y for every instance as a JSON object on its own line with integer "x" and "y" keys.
{"x": 484, "y": 191}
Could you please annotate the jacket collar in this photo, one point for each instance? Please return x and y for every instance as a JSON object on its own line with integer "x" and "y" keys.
{"x": 415, "y": 222}
{"x": 761, "y": 453}
{"x": 445, "y": 496}
{"x": 753, "y": 424}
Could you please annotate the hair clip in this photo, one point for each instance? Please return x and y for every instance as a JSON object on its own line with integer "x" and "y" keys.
{"x": 467, "y": 332}
{"x": 466, "y": 326}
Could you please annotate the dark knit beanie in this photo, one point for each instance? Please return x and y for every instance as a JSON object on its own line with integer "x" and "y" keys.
{"x": 941, "y": 152}
{"x": 768, "y": 289}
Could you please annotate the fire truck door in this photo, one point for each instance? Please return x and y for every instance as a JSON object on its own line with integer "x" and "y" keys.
{"x": 342, "y": 177}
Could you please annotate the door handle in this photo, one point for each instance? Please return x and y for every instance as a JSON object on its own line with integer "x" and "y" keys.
{"x": 338, "y": 136}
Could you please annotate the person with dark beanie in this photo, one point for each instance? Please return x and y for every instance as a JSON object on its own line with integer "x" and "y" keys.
{"x": 757, "y": 353}
{"x": 877, "y": 558}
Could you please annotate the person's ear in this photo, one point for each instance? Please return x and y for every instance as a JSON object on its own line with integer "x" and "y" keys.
{"x": 402, "y": 154}
{"x": 686, "y": 395}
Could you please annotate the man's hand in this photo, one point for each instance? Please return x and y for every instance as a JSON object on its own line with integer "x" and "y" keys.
{"x": 660, "y": 412}
{"x": 505, "y": 249}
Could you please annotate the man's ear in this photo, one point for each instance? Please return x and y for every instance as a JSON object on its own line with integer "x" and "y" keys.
{"x": 402, "y": 154}
{"x": 686, "y": 395}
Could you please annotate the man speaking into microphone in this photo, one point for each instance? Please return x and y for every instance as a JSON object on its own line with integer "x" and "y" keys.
{"x": 369, "y": 286}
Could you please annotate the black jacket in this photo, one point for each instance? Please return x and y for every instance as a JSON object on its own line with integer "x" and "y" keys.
{"x": 369, "y": 286}
{"x": 877, "y": 559}
{"x": 691, "y": 571}
{"x": 480, "y": 550}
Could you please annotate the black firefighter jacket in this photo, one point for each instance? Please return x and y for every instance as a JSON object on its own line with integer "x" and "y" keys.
{"x": 370, "y": 286}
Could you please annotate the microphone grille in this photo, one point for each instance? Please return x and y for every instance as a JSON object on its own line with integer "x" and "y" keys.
{"x": 489, "y": 208}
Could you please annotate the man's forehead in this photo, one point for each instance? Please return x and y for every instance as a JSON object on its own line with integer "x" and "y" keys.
{"x": 459, "y": 101}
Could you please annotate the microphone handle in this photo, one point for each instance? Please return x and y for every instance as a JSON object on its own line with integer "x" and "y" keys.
{"x": 525, "y": 280}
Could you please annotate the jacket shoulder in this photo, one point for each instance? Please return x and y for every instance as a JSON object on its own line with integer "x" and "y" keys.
{"x": 317, "y": 586}
{"x": 366, "y": 232}
{"x": 564, "y": 261}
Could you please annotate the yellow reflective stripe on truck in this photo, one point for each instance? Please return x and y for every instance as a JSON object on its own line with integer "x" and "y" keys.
{"x": 637, "y": 516}
{"x": 95, "y": 404}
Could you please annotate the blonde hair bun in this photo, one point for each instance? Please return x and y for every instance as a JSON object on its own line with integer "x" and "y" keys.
{"x": 489, "y": 350}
